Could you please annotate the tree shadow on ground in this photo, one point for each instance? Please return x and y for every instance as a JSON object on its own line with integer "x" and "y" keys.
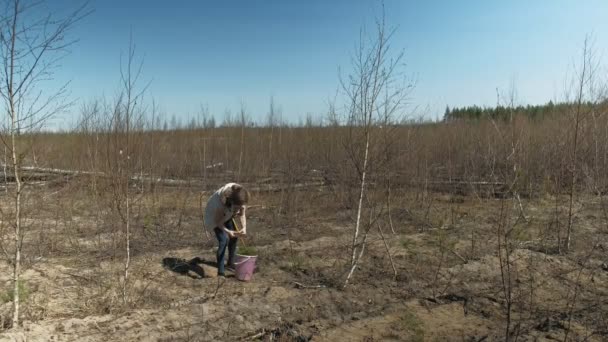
{"x": 188, "y": 268}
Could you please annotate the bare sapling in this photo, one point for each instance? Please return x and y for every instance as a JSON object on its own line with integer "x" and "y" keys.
{"x": 31, "y": 45}
{"x": 512, "y": 180}
{"x": 123, "y": 160}
{"x": 4, "y": 168}
{"x": 89, "y": 125}
{"x": 573, "y": 297}
{"x": 389, "y": 132}
{"x": 590, "y": 94}
{"x": 505, "y": 250}
{"x": 505, "y": 228}
{"x": 132, "y": 95}
{"x": 375, "y": 90}
{"x": 272, "y": 122}
{"x": 583, "y": 82}
{"x": 242, "y": 123}
{"x": 389, "y": 204}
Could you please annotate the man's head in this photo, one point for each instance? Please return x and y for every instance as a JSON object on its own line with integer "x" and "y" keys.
{"x": 239, "y": 196}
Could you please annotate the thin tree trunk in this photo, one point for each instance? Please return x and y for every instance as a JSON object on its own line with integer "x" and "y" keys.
{"x": 388, "y": 199}
{"x": 95, "y": 168}
{"x": 205, "y": 162}
{"x": 360, "y": 206}
{"x": 522, "y": 214}
{"x": 242, "y": 143}
{"x": 505, "y": 266}
{"x": 15, "y": 162}
{"x": 579, "y": 103}
{"x": 226, "y": 153}
{"x": 17, "y": 258}
{"x": 354, "y": 264}
{"x": 128, "y": 238}
{"x": 4, "y": 166}
{"x": 270, "y": 149}
{"x": 558, "y": 226}
{"x": 127, "y": 212}
{"x": 128, "y": 112}
{"x": 388, "y": 252}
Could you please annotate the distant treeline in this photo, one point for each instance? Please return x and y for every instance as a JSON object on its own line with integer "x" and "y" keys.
{"x": 504, "y": 113}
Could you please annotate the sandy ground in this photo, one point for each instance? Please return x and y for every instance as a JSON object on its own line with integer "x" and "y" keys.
{"x": 449, "y": 287}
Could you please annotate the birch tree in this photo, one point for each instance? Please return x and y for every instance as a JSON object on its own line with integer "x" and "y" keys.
{"x": 585, "y": 100}
{"x": 376, "y": 93}
{"x": 32, "y": 42}
{"x": 127, "y": 120}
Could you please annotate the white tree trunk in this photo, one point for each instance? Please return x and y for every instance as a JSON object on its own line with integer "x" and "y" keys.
{"x": 15, "y": 162}
{"x": 4, "y": 167}
{"x": 360, "y": 206}
{"x": 17, "y": 258}
{"x": 128, "y": 242}
{"x": 354, "y": 265}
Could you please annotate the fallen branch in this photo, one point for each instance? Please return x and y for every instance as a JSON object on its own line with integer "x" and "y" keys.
{"x": 41, "y": 171}
{"x": 256, "y": 336}
{"x": 457, "y": 255}
{"x": 302, "y": 286}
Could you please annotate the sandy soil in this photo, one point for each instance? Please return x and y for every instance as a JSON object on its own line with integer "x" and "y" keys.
{"x": 449, "y": 285}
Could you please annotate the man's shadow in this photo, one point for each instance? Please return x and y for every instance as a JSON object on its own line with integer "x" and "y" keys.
{"x": 189, "y": 268}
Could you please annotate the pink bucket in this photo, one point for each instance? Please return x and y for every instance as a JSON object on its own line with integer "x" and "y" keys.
{"x": 244, "y": 267}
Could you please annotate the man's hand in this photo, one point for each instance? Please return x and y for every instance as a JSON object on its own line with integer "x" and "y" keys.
{"x": 230, "y": 233}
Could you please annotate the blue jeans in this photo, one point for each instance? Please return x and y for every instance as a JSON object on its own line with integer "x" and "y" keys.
{"x": 224, "y": 240}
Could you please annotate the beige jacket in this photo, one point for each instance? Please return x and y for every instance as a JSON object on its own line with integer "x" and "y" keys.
{"x": 217, "y": 213}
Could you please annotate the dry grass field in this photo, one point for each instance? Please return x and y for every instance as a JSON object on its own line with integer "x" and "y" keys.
{"x": 445, "y": 248}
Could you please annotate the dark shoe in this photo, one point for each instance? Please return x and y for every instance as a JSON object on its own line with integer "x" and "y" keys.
{"x": 230, "y": 268}
{"x": 196, "y": 260}
{"x": 221, "y": 275}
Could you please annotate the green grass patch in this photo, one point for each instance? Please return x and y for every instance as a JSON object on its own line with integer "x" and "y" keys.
{"x": 8, "y": 294}
{"x": 247, "y": 250}
{"x": 412, "y": 324}
{"x": 296, "y": 262}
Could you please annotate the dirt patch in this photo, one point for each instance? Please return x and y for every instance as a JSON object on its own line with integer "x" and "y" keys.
{"x": 450, "y": 282}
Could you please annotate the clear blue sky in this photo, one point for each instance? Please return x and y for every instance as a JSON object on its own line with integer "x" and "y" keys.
{"x": 221, "y": 52}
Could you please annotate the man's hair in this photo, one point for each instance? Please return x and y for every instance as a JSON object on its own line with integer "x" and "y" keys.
{"x": 238, "y": 196}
